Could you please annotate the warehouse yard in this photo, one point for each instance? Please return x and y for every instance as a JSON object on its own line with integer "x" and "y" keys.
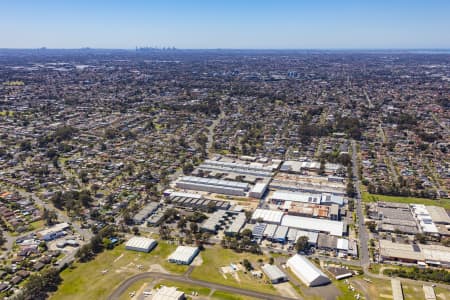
{"x": 215, "y": 258}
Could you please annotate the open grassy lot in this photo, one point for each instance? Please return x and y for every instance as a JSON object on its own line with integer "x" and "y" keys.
{"x": 346, "y": 293}
{"x": 219, "y": 295}
{"x": 376, "y": 289}
{"x": 412, "y": 291}
{"x": 37, "y": 225}
{"x": 86, "y": 281}
{"x": 135, "y": 287}
{"x": 367, "y": 197}
{"x": 141, "y": 285}
{"x": 217, "y": 257}
{"x": 442, "y": 294}
{"x": 380, "y": 289}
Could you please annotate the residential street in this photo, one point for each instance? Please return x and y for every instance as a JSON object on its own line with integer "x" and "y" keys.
{"x": 362, "y": 233}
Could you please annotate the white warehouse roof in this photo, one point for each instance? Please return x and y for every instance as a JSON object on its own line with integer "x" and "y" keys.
{"x": 267, "y": 215}
{"x": 438, "y": 214}
{"x": 273, "y": 272}
{"x": 332, "y": 227}
{"x": 259, "y": 188}
{"x": 187, "y": 195}
{"x": 297, "y": 197}
{"x": 168, "y": 293}
{"x": 307, "y": 271}
{"x": 342, "y": 244}
{"x": 183, "y": 255}
{"x": 215, "y": 182}
{"x": 423, "y": 216}
{"x": 311, "y": 235}
{"x": 140, "y": 244}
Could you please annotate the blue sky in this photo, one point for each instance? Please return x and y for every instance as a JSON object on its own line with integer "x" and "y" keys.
{"x": 253, "y": 24}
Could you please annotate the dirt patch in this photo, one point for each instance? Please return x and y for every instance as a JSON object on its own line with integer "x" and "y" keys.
{"x": 226, "y": 270}
{"x": 157, "y": 268}
{"x": 327, "y": 292}
{"x": 198, "y": 261}
{"x": 117, "y": 259}
{"x": 286, "y": 289}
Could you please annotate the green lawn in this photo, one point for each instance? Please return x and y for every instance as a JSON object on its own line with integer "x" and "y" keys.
{"x": 219, "y": 295}
{"x": 346, "y": 293}
{"x": 367, "y": 197}
{"x": 375, "y": 268}
{"x": 412, "y": 291}
{"x": 37, "y": 225}
{"x": 86, "y": 281}
{"x": 217, "y": 257}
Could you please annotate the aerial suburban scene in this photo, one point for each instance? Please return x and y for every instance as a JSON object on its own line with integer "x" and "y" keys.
{"x": 160, "y": 150}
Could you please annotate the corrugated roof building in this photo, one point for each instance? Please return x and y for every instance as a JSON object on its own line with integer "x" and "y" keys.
{"x": 140, "y": 244}
{"x": 267, "y": 216}
{"x": 306, "y": 271}
{"x": 321, "y": 225}
{"x": 183, "y": 255}
{"x": 274, "y": 273}
{"x": 168, "y": 293}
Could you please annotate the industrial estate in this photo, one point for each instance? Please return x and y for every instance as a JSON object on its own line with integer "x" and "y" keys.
{"x": 224, "y": 174}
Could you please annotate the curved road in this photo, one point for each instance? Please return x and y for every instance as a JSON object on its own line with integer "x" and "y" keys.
{"x": 180, "y": 278}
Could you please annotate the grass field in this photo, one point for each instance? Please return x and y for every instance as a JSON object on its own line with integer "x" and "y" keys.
{"x": 442, "y": 294}
{"x": 134, "y": 288}
{"x": 379, "y": 289}
{"x": 367, "y": 197}
{"x": 86, "y": 281}
{"x": 219, "y": 295}
{"x": 412, "y": 291}
{"x": 346, "y": 293}
{"x": 217, "y": 257}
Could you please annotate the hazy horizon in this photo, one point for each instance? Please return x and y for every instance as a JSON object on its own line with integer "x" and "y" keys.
{"x": 267, "y": 24}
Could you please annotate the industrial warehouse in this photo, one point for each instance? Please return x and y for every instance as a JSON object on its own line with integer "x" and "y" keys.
{"x": 226, "y": 187}
{"x": 290, "y": 203}
{"x": 306, "y": 271}
{"x": 431, "y": 255}
{"x": 331, "y": 227}
{"x": 183, "y": 255}
{"x": 274, "y": 273}
{"x": 140, "y": 244}
{"x": 194, "y": 201}
{"x": 410, "y": 218}
{"x": 253, "y": 169}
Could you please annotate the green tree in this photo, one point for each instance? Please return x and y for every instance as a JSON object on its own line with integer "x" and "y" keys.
{"x": 39, "y": 285}
{"x": 302, "y": 244}
{"x": 188, "y": 168}
{"x": 371, "y": 225}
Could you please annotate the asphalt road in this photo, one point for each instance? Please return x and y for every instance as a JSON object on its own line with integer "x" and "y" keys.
{"x": 362, "y": 233}
{"x": 180, "y": 278}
